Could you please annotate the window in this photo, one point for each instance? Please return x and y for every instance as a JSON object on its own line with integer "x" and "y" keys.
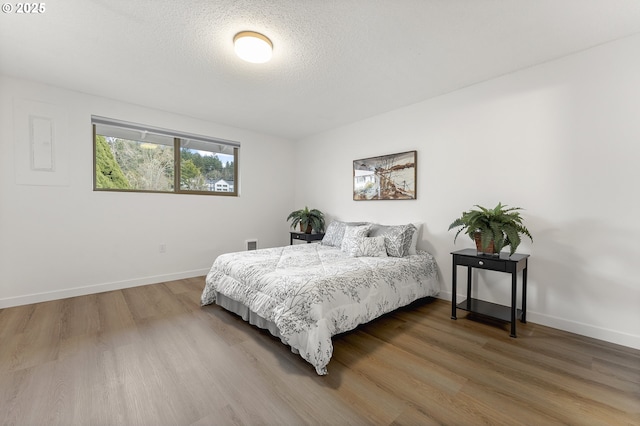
{"x": 131, "y": 157}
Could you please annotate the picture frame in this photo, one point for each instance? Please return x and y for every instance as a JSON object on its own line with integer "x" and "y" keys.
{"x": 387, "y": 177}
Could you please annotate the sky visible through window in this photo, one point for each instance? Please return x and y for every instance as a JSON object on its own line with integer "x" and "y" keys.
{"x": 224, "y": 158}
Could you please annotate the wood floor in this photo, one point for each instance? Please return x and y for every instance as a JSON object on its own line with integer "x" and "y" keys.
{"x": 152, "y": 356}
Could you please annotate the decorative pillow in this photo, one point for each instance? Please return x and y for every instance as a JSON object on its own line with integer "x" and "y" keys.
{"x": 335, "y": 232}
{"x": 352, "y": 236}
{"x": 414, "y": 239}
{"x": 369, "y": 247}
{"x": 397, "y": 239}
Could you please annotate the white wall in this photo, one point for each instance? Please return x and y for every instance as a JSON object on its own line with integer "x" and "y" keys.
{"x": 60, "y": 241}
{"x": 560, "y": 139}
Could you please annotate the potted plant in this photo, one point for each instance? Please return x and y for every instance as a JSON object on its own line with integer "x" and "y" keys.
{"x": 309, "y": 220}
{"x": 492, "y": 229}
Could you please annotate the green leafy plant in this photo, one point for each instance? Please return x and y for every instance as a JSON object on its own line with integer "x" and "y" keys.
{"x": 501, "y": 225}
{"x": 308, "y": 219}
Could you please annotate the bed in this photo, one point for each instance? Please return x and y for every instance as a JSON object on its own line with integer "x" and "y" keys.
{"x": 304, "y": 294}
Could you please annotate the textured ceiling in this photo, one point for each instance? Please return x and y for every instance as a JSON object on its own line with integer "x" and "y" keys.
{"x": 334, "y": 61}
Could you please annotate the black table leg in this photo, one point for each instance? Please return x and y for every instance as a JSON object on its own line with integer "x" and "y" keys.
{"x": 469, "y": 287}
{"x": 523, "y": 318}
{"x": 454, "y": 301}
{"x": 514, "y": 280}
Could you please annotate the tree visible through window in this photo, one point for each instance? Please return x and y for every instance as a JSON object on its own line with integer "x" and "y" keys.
{"x": 201, "y": 168}
{"x": 130, "y": 158}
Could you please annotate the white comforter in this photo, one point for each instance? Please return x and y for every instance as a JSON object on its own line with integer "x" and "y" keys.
{"x": 312, "y": 292}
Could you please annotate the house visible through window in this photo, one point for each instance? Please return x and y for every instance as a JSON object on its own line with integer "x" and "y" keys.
{"x": 132, "y": 157}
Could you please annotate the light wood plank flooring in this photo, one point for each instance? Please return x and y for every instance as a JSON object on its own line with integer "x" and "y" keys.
{"x": 152, "y": 356}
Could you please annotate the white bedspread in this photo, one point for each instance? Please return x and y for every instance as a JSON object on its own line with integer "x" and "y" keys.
{"x": 312, "y": 292}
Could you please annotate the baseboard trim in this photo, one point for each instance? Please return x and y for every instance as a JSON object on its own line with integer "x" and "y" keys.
{"x": 612, "y": 336}
{"x": 97, "y": 288}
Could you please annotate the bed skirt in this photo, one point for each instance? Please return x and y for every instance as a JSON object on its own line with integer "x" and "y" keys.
{"x": 248, "y": 315}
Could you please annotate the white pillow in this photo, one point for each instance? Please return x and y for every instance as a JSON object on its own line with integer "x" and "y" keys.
{"x": 369, "y": 247}
{"x": 351, "y": 236}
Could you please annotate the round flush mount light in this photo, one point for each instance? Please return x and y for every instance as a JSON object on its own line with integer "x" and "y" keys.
{"x": 253, "y": 47}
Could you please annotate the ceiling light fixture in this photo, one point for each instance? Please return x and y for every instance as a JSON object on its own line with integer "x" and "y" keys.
{"x": 253, "y": 47}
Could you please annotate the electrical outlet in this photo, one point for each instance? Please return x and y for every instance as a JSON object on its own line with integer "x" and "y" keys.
{"x": 162, "y": 248}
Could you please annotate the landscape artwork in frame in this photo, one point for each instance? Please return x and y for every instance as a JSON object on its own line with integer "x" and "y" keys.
{"x": 388, "y": 177}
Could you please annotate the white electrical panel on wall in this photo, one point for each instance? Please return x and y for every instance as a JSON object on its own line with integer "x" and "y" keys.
{"x": 41, "y": 138}
{"x": 40, "y": 142}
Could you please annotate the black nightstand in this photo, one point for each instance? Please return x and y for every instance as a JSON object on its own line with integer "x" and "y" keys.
{"x": 306, "y": 237}
{"x": 503, "y": 263}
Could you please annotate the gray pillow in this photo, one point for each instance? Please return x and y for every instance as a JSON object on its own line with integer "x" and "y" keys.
{"x": 397, "y": 238}
{"x": 335, "y": 232}
{"x": 352, "y": 236}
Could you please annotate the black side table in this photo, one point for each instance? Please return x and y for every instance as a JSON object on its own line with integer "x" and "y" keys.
{"x": 306, "y": 237}
{"x": 503, "y": 263}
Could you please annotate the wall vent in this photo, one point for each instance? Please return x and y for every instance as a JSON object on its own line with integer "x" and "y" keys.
{"x": 252, "y": 244}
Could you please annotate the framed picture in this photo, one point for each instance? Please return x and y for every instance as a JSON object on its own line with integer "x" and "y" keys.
{"x": 388, "y": 177}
